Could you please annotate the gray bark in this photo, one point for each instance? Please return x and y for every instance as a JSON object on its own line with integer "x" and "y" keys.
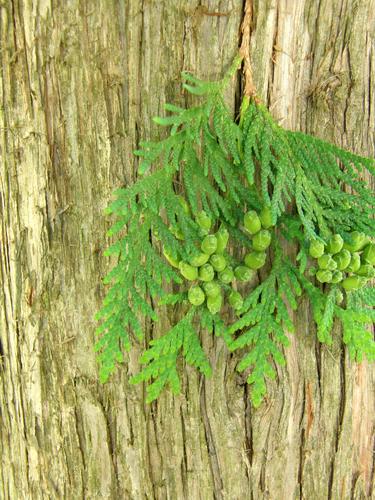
{"x": 79, "y": 83}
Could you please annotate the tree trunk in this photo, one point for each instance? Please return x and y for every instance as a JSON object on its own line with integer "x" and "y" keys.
{"x": 80, "y": 81}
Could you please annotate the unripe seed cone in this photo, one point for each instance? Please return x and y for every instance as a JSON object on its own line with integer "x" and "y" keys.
{"x": 227, "y": 275}
{"x": 255, "y": 260}
{"x": 366, "y": 270}
{"x": 209, "y": 244}
{"x": 335, "y": 244}
{"x": 339, "y": 297}
{"x": 206, "y": 272}
{"x": 325, "y": 261}
{"x": 332, "y": 265}
{"x": 188, "y": 272}
{"x": 203, "y": 220}
{"x": 324, "y": 276}
{"x": 243, "y": 273}
{"x": 252, "y": 222}
{"x": 357, "y": 241}
{"x": 212, "y": 289}
{"x": 355, "y": 263}
{"x": 196, "y": 296}
{"x": 214, "y": 304}
{"x": 368, "y": 255}
{"x": 316, "y": 249}
{"x": 199, "y": 260}
{"x": 342, "y": 259}
{"x": 218, "y": 262}
{"x": 265, "y": 217}
{"x": 353, "y": 283}
{"x": 337, "y": 276}
{"x": 202, "y": 232}
{"x": 235, "y": 300}
{"x": 365, "y": 240}
{"x": 262, "y": 240}
{"x": 168, "y": 255}
{"x": 222, "y": 237}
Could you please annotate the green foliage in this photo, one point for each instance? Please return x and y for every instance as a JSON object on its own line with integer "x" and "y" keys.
{"x": 357, "y": 320}
{"x": 314, "y": 173}
{"x": 160, "y": 359}
{"x": 265, "y": 318}
{"x": 228, "y": 168}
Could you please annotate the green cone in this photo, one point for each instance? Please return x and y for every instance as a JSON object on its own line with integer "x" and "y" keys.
{"x": 214, "y": 304}
{"x": 196, "y": 296}
{"x": 212, "y": 289}
{"x": 316, "y": 249}
{"x": 243, "y": 273}
{"x": 203, "y": 220}
{"x": 355, "y": 263}
{"x": 206, "y": 273}
{"x": 325, "y": 261}
{"x": 332, "y": 265}
{"x": 235, "y": 300}
{"x": 262, "y": 240}
{"x": 222, "y": 237}
{"x": 337, "y": 276}
{"x": 324, "y": 276}
{"x": 366, "y": 270}
{"x": 202, "y": 232}
{"x": 188, "y": 272}
{"x": 265, "y": 217}
{"x": 339, "y": 297}
{"x": 342, "y": 259}
{"x": 168, "y": 255}
{"x": 353, "y": 283}
{"x": 226, "y": 276}
{"x": 368, "y": 255}
{"x": 218, "y": 262}
{"x": 252, "y": 222}
{"x": 335, "y": 244}
{"x": 209, "y": 244}
{"x": 255, "y": 260}
{"x": 365, "y": 240}
{"x": 199, "y": 260}
{"x": 357, "y": 241}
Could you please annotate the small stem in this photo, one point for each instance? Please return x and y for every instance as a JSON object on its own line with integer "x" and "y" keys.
{"x": 249, "y": 90}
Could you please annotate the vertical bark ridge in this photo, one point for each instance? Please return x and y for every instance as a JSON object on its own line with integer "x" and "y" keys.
{"x": 211, "y": 448}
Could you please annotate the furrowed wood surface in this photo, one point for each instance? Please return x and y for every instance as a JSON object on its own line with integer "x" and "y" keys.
{"x": 79, "y": 84}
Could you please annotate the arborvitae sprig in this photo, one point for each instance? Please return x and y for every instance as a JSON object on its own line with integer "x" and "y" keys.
{"x": 357, "y": 320}
{"x": 316, "y": 174}
{"x": 226, "y": 168}
{"x": 263, "y": 322}
{"x": 161, "y": 358}
{"x": 151, "y": 207}
{"x": 326, "y": 172}
{"x": 356, "y": 317}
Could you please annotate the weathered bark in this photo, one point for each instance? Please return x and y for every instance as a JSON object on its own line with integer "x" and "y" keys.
{"x": 79, "y": 83}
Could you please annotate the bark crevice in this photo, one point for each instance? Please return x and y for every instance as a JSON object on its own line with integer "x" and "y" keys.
{"x": 212, "y": 453}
